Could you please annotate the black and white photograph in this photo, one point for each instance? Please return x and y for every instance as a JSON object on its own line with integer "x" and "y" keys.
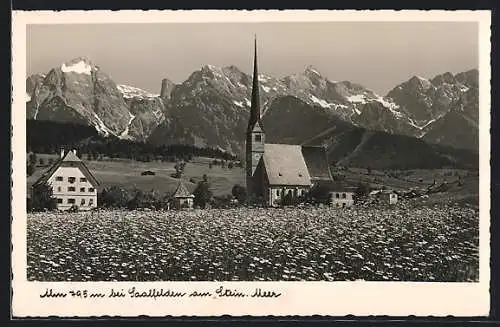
{"x": 340, "y": 150}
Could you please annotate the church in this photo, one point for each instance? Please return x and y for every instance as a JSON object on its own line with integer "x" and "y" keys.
{"x": 278, "y": 171}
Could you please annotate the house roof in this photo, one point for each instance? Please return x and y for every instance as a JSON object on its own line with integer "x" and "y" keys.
{"x": 69, "y": 160}
{"x": 285, "y": 165}
{"x": 317, "y": 162}
{"x": 182, "y": 191}
{"x": 335, "y": 186}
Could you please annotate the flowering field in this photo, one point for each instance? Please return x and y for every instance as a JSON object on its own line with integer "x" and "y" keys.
{"x": 420, "y": 244}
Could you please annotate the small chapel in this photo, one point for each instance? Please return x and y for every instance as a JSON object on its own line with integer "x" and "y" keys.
{"x": 278, "y": 171}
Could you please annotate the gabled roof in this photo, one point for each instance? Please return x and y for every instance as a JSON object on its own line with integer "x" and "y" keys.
{"x": 69, "y": 160}
{"x": 285, "y": 165}
{"x": 317, "y": 162}
{"x": 335, "y": 186}
{"x": 182, "y": 191}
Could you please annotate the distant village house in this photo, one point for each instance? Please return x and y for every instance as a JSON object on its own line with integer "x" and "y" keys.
{"x": 73, "y": 185}
{"x": 182, "y": 198}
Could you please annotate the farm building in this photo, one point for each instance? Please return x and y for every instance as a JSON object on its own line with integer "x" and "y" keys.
{"x": 275, "y": 172}
{"x": 182, "y": 198}
{"x": 384, "y": 196}
{"x": 71, "y": 181}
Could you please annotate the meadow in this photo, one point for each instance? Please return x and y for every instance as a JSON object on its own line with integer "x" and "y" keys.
{"x": 403, "y": 243}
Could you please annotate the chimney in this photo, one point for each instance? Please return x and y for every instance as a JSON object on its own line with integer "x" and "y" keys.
{"x": 62, "y": 153}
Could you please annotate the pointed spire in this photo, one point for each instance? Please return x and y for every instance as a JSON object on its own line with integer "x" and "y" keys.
{"x": 255, "y": 105}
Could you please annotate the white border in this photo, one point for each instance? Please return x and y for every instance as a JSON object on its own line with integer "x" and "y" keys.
{"x": 309, "y": 298}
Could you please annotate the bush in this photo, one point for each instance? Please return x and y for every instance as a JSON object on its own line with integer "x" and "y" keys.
{"x": 43, "y": 198}
{"x": 239, "y": 192}
{"x": 202, "y": 193}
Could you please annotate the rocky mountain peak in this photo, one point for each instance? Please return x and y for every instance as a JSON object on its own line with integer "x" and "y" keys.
{"x": 79, "y": 65}
{"x": 418, "y": 82}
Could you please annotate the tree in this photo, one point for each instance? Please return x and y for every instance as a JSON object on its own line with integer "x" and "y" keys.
{"x": 43, "y": 197}
{"x": 239, "y": 192}
{"x": 32, "y": 159}
{"x": 30, "y": 169}
{"x": 202, "y": 193}
{"x": 361, "y": 191}
{"x": 179, "y": 169}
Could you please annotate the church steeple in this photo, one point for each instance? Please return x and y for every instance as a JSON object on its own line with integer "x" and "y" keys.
{"x": 255, "y": 104}
{"x": 255, "y": 140}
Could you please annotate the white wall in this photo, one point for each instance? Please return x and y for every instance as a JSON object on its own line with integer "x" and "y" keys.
{"x": 341, "y": 199}
{"x": 61, "y": 192}
{"x": 276, "y": 193}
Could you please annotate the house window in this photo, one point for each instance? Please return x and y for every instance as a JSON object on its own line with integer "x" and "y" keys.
{"x": 337, "y": 195}
{"x": 277, "y": 192}
{"x": 91, "y": 201}
{"x": 71, "y": 189}
{"x": 82, "y": 202}
{"x": 344, "y": 195}
{"x": 82, "y": 189}
{"x": 59, "y": 200}
{"x": 258, "y": 138}
{"x": 91, "y": 189}
{"x": 71, "y": 179}
{"x": 83, "y": 179}
{"x": 71, "y": 201}
{"x": 59, "y": 178}
{"x": 58, "y": 189}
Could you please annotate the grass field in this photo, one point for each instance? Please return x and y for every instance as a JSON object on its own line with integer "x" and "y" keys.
{"x": 127, "y": 173}
{"x": 404, "y": 243}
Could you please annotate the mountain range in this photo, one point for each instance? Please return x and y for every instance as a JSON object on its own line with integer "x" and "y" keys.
{"x": 211, "y": 108}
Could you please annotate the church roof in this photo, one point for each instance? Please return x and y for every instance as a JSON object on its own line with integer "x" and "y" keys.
{"x": 317, "y": 162}
{"x": 182, "y": 191}
{"x": 285, "y": 165}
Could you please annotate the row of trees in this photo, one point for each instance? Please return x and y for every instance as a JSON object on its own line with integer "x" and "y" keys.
{"x": 134, "y": 198}
{"x": 50, "y": 137}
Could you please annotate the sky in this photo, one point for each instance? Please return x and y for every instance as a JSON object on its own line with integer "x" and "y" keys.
{"x": 377, "y": 55}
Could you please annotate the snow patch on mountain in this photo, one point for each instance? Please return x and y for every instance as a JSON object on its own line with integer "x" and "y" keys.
{"x": 357, "y": 98}
{"x": 101, "y": 127}
{"x": 464, "y": 88}
{"x": 129, "y": 92}
{"x": 321, "y": 102}
{"x": 80, "y": 67}
{"x": 124, "y": 134}
{"x": 238, "y": 103}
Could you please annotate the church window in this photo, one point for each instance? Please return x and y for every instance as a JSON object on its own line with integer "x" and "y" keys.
{"x": 71, "y": 201}
{"x": 258, "y": 138}
{"x": 59, "y": 200}
{"x": 91, "y": 201}
{"x": 82, "y": 202}
{"x": 59, "y": 178}
{"x": 83, "y": 179}
{"x": 71, "y": 189}
{"x": 71, "y": 179}
{"x": 82, "y": 189}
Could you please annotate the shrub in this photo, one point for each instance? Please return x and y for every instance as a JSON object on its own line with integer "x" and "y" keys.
{"x": 239, "y": 192}
{"x": 43, "y": 198}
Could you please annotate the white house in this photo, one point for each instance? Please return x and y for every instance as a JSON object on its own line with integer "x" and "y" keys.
{"x": 72, "y": 183}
